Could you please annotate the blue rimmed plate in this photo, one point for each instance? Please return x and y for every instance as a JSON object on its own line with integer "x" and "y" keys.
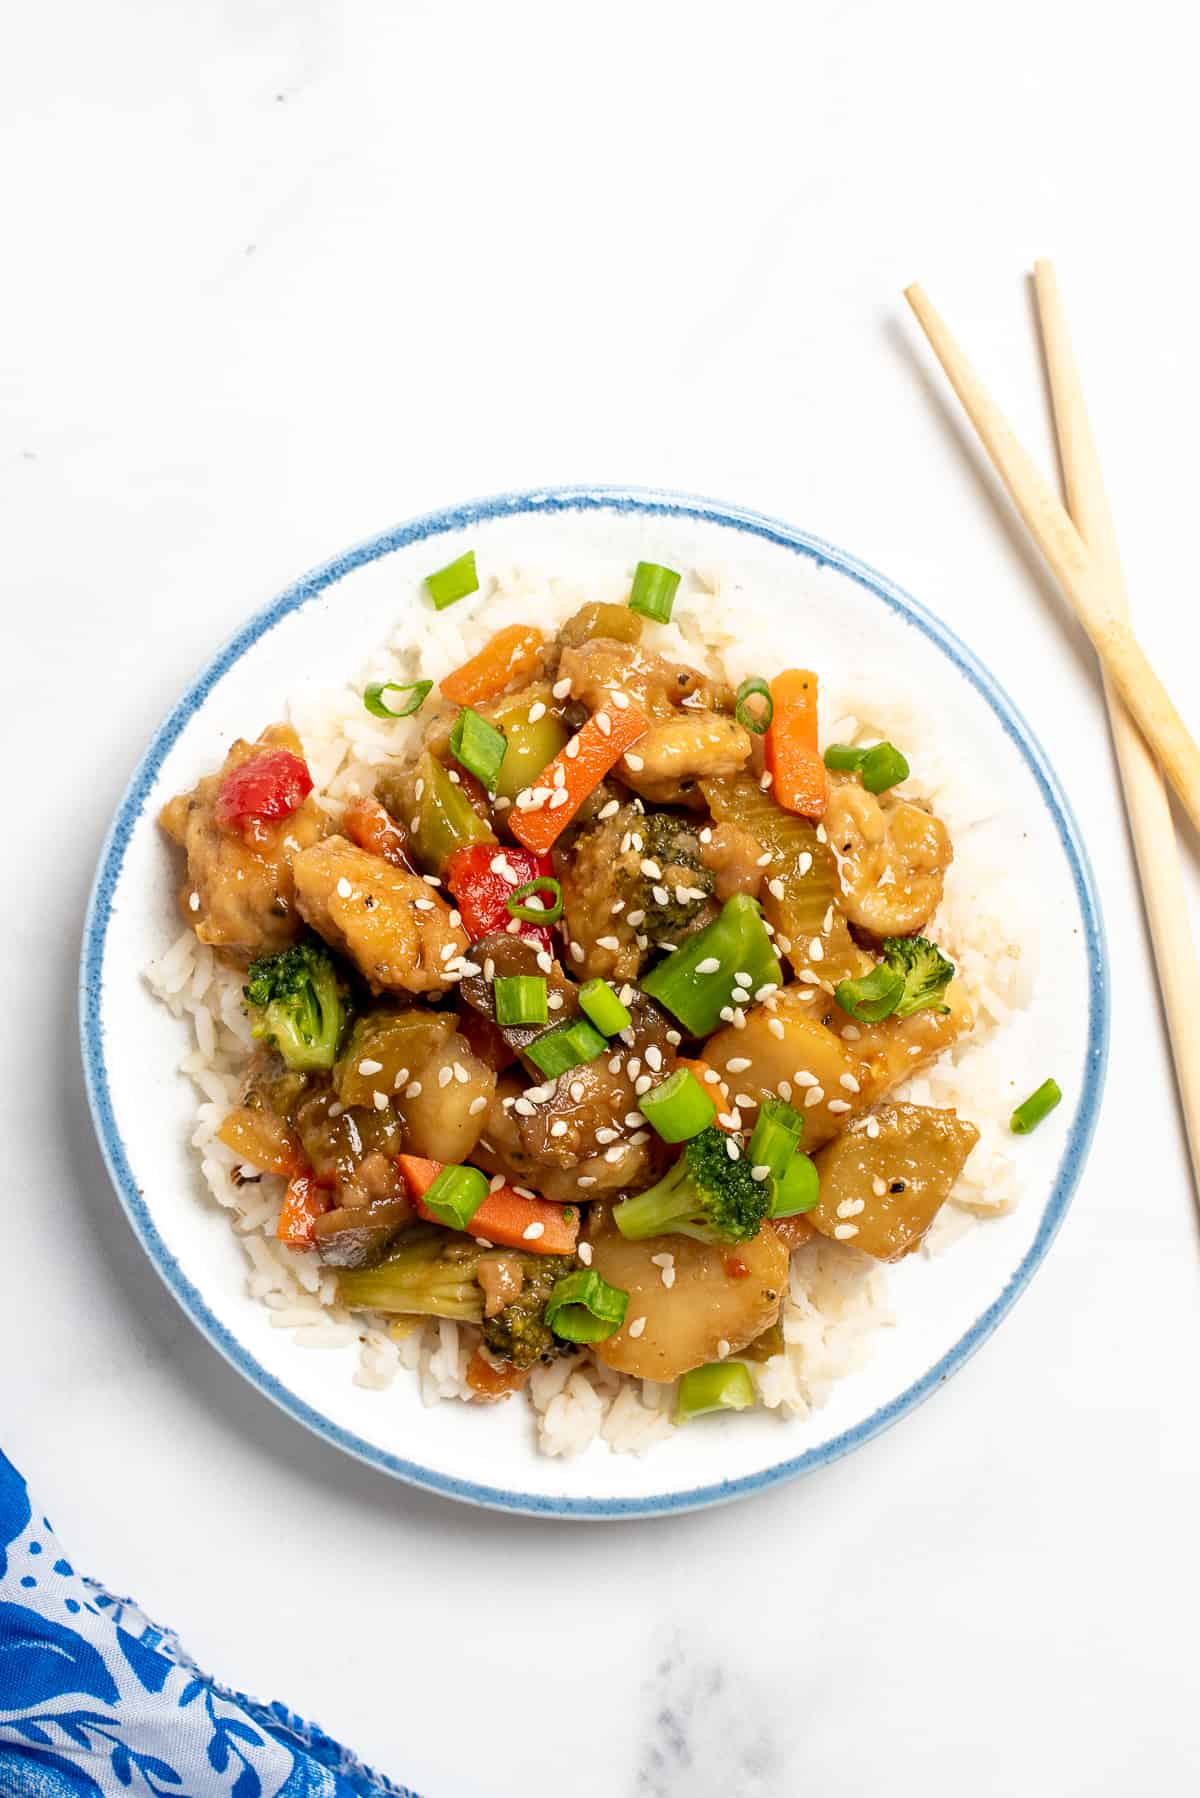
{"x": 823, "y": 607}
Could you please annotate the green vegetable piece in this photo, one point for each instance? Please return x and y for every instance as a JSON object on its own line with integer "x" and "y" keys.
{"x": 1037, "y": 1106}
{"x": 527, "y": 904}
{"x": 882, "y": 767}
{"x": 756, "y": 719}
{"x": 521, "y": 1333}
{"x": 925, "y": 971}
{"x": 456, "y": 1195}
{"x": 427, "y": 1274}
{"x": 530, "y": 745}
{"x": 418, "y": 692}
{"x": 453, "y": 582}
{"x": 708, "y": 1194}
{"x": 697, "y": 982}
{"x": 443, "y": 819}
{"x": 776, "y": 1136}
{"x": 585, "y": 1308}
{"x": 653, "y": 591}
{"x": 602, "y": 1006}
{"x": 301, "y": 1002}
{"x": 478, "y": 746}
{"x": 798, "y": 1190}
{"x": 520, "y": 999}
{"x": 845, "y": 757}
{"x": 873, "y": 996}
{"x": 679, "y": 1108}
{"x": 564, "y": 1048}
{"x": 718, "y": 1386}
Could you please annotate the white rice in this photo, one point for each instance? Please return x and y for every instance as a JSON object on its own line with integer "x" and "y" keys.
{"x": 838, "y": 1297}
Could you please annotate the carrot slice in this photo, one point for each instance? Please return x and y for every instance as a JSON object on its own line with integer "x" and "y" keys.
{"x": 791, "y": 752}
{"x": 507, "y": 656}
{"x": 303, "y": 1203}
{"x": 506, "y": 1215}
{"x": 715, "y": 1087}
{"x": 373, "y": 828}
{"x": 576, "y": 770}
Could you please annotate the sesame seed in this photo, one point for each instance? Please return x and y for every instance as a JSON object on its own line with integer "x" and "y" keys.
{"x": 732, "y": 1150}
{"x": 523, "y": 1107}
{"x": 726, "y": 1014}
{"x": 584, "y": 1251}
{"x": 381, "y": 1101}
{"x": 668, "y": 1277}
{"x": 460, "y": 1073}
{"x": 605, "y": 1134}
{"x": 344, "y": 889}
{"x": 737, "y": 1064}
{"x": 424, "y": 905}
{"x": 804, "y": 1078}
{"x": 633, "y": 920}
{"x": 739, "y": 1019}
{"x": 448, "y": 951}
{"x": 764, "y": 860}
{"x": 844, "y": 1232}
{"x": 784, "y": 1089}
{"x": 745, "y": 1099}
{"x": 642, "y": 1084}
{"x": 706, "y": 834}
{"x": 616, "y": 908}
{"x": 545, "y": 961}
{"x": 816, "y": 949}
{"x": 776, "y": 888}
{"x": 576, "y": 1090}
{"x": 419, "y": 791}
{"x": 636, "y": 841}
{"x": 572, "y": 749}
{"x": 537, "y": 710}
{"x": 614, "y": 1154}
{"x": 194, "y": 902}
{"x": 555, "y": 1001}
{"x": 827, "y": 922}
{"x": 814, "y": 1095}
{"x": 626, "y": 994}
{"x": 489, "y": 968}
{"x": 619, "y": 699}
{"x": 539, "y": 1093}
{"x": 730, "y": 1119}
{"x": 851, "y": 1207}
{"x": 761, "y": 1172}
{"x": 575, "y": 952}
{"x": 413, "y": 1090}
{"x": 614, "y": 1066}
{"x": 852, "y": 1033}
{"x": 496, "y": 1182}
{"x": 804, "y": 863}
{"x": 637, "y": 1326}
{"x": 558, "y": 1127}
{"x": 610, "y": 810}
{"x": 765, "y": 992}
{"x": 603, "y": 723}
{"x": 711, "y": 1077}
{"x": 561, "y": 688}
{"x": 775, "y": 1026}
{"x": 633, "y": 1119}
{"x": 710, "y": 965}
{"x": 849, "y": 1082}
{"x": 765, "y": 779}
{"x": 444, "y": 1076}
{"x": 611, "y": 943}
{"x": 651, "y": 870}
{"x": 663, "y": 1259}
{"x": 635, "y": 762}
{"x": 722, "y": 1349}
{"x": 431, "y": 880}
{"x": 822, "y": 834}
{"x": 531, "y": 1232}
{"x": 476, "y": 1106}
{"x": 839, "y": 1105}
{"x": 653, "y": 1056}
{"x": 401, "y": 1077}
{"x": 558, "y": 798}
{"x": 370, "y": 1067}
{"x": 661, "y": 895}
{"x": 683, "y": 894}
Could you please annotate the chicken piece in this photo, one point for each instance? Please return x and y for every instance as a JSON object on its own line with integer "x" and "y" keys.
{"x": 238, "y": 893}
{"x": 827, "y": 1067}
{"x": 630, "y": 882}
{"x": 396, "y": 929}
{"x": 602, "y": 666}
{"x": 736, "y": 860}
{"x": 501, "y": 1150}
{"x": 667, "y": 764}
{"x": 891, "y": 855}
{"x": 722, "y": 1297}
{"x": 884, "y": 1181}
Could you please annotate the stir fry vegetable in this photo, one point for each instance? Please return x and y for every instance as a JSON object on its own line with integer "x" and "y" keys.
{"x": 793, "y": 759}
{"x": 707, "y": 1194}
{"x": 720, "y": 1386}
{"x": 541, "y": 813}
{"x": 511, "y": 655}
{"x": 727, "y": 964}
{"x": 300, "y": 1004}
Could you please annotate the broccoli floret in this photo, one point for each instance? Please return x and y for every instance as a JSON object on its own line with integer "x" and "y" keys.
{"x": 924, "y": 969}
{"x": 430, "y": 1273}
{"x": 669, "y": 843}
{"x": 520, "y": 1333}
{"x": 706, "y": 1195}
{"x": 301, "y": 1001}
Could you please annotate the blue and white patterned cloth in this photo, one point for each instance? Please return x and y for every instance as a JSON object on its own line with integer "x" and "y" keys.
{"x": 95, "y": 1700}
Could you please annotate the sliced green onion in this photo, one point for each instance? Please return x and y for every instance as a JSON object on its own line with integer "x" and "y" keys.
{"x": 653, "y": 591}
{"x": 539, "y": 913}
{"x": 1038, "y": 1105}
{"x": 417, "y": 690}
{"x": 478, "y": 746}
{"x": 798, "y": 1190}
{"x": 456, "y": 1195}
{"x": 698, "y": 981}
{"x": 603, "y": 1007}
{"x": 873, "y": 997}
{"x": 679, "y": 1108}
{"x": 584, "y": 1308}
{"x": 882, "y": 767}
{"x": 562, "y": 1049}
{"x": 453, "y": 582}
{"x": 520, "y": 998}
{"x": 776, "y": 1136}
{"x": 719, "y": 1386}
{"x": 845, "y": 757}
{"x": 758, "y": 720}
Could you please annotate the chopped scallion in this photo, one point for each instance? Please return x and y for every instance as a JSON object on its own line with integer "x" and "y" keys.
{"x": 718, "y": 1386}
{"x": 584, "y": 1308}
{"x": 453, "y": 582}
{"x": 653, "y": 591}
{"x": 603, "y": 1007}
{"x": 376, "y": 704}
{"x": 520, "y": 999}
{"x": 456, "y": 1195}
{"x": 1037, "y": 1106}
{"x": 679, "y": 1108}
{"x": 757, "y": 718}
{"x": 798, "y": 1189}
{"x": 547, "y": 913}
{"x": 478, "y": 746}
{"x": 776, "y": 1136}
{"x": 565, "y": 1048}
{"x": 844, "y": 757}
{"x": 881, "y": 766}
{"x": 697, "y": 982}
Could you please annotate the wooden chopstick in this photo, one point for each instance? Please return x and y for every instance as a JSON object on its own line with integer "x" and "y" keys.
{"x": 1146, "y": 803}
{"x": 1085, "y": 575}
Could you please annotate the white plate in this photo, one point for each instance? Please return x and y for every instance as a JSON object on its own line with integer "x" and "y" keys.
{"x": 832, "y": 614}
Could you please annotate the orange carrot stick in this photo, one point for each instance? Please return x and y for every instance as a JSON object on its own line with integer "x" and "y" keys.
{"x": 506, "y": 1216}
{"x": 511, "y": 653}
{"x": 791, "y": 752}
{"x": 576, "y": 770}
{"x": 303, "y": 1203}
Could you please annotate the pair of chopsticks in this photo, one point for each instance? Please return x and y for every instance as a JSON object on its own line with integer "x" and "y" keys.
{"x": 1081, "y": 549}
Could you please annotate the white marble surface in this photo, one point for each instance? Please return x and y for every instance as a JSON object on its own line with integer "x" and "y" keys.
{"x": 277, "y": 276}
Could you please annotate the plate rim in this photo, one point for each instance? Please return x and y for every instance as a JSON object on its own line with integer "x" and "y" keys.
{"x": 555, "y": 500}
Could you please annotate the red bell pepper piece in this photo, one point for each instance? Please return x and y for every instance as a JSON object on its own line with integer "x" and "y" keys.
{"x": 270, "y": 785}
{"x": 303, "y": 1202}
{"x": 482, "y": 895}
